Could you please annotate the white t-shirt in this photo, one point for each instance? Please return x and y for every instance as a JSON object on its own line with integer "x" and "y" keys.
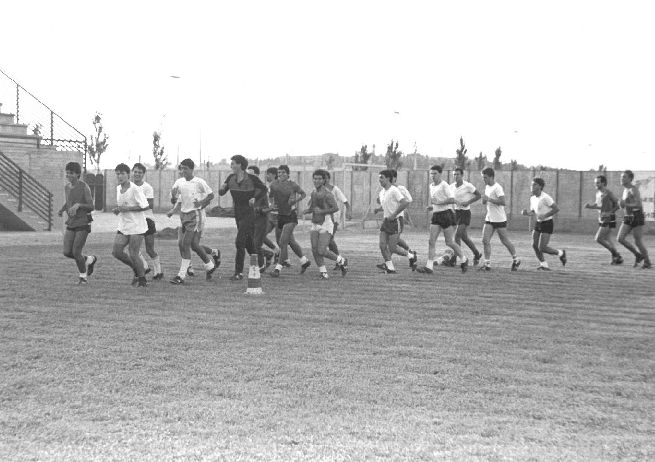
{"x": 341, "y": 199}
{"x": 463, "y": 193}
{"x": 403, "y": 190}
{"x": 131, "y": 222}
{"x": 495, "y": 213}
{"x": 541, "y": 205}
{"x": 190, "y": 190}
{"x": 147, "y": 191}
{"x": 390, "y": 200}
{"x": 440, "y": 192}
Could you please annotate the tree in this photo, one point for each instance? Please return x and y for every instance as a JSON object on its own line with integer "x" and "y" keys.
{"x": 482, "y": 161}
{"x": 498, "y": 165}
{"x": 362, "y": 157}
{"x": 393, "y": 156}
{"x": 161, "y": 159}
{"x": 602, "y": 169}
{"x": 461, "y": 158}
{"x": 329, "y": 161}
{"x": 513, "y": 165}
{"x": 99, "y": 142}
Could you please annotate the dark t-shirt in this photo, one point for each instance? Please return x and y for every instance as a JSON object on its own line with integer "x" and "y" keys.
{"x": 250, "y": 186}
{"x": 281, "y": 191}
{"x": 78, "y": 194}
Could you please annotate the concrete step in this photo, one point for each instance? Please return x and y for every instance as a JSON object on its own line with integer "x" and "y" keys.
{"x": 13, "y": 129}
{"x": 12, "y": 219}
{"x": 7, "y": 118}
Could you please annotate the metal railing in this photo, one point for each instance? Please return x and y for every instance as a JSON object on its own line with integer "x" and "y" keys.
{"x": 28, "y": 192}
{"x": 41, "y": 121}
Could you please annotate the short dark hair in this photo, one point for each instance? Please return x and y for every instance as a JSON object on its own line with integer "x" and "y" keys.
{"x": 122, "y": 168}
{"x": 320, "y": 172}
{"x": 188, "y": 163}
{"x": 327, "y": 174}
{"x": 140, "y": 166}
{"x": 74, "y": 167}
{"x": 460, "y": 170}
{"x": 539, "y": 181}
{"x": 272, "y": 170}
{"x": 387, "y": 174}
{"x": 602, "y": 179}
{"x": 630, "y": 174}
{"x": 438, "y": 168}
{"x": 283, "y": 168}
{"x": 255, "y": 169}
{"x": 489, "y": 172}
{"x": 394, "y": 172}
{"x": 239, "y": 159}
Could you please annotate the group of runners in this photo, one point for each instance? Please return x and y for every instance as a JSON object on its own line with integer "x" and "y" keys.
{"x": 262, "y": 207}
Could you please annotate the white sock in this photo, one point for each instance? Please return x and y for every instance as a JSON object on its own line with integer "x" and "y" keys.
{"x": 144, "y": 261}
{"x": 183, "y": 267}
{"x": 88, "y": 260}
{"x": 209, "y": 265}
{"x": 157, "y": 264}
{"x": 560, "y": 253}
{"x": 83, "y": 275}
{"x": 322, "y": 269}
{"x": 340, "y": 259}
{"x": 214, "y": 252}
{"x": 390, "y": 265}
{"x": 303, "y": 260}
{"x": 487, "y": 262}
{"x": 278, "y": 267}
{"x": 544, "y": 264}
{"x": 429, "y": 263}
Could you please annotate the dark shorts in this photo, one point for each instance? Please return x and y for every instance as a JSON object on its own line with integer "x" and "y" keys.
{"x": 607, "y": 222}
{"x": 496, "y": 224}
{"x": 445, "y": 218}
{"x": 77, "y": 229}
{"x": 463, "y": 217}
{"x": 544, "y": 227}
{"x": 389, "y": 226}
{"x": 151, "y": 227}
{"x": 635, "y": 219}
{"x": 284, "y": 219}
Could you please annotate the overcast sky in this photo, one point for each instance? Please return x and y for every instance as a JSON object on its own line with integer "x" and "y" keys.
{"x": 567, "y": 84}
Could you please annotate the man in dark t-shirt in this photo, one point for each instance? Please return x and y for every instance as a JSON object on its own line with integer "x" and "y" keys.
{"x": 285, "y": 194}
{"x": 248, "y": 193}
{"x": 78, "y": 207}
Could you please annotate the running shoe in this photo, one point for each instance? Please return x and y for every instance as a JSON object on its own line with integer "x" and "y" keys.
{"x": 275, "y": 273}
{"x": 304, "y": 266}
{"x": 543, "y": 268}
{"x": 476, "y": 259}
{"x": 464, "y": 265}
{"x": 190, "y": 271}
{"x": 424, "y": 270}
{"x": 158, "y": 277}
{"x": 236, "y": 277}
{"x": 142, "y": 282}
{"x": 412, "y": 260}
{"x": 208, "y": 273}
{"x": 324, "y": 275}
{"x": 562, "y": 258}
{"x": 638, "y": 259}
{"x": 177, "y": 280}
{"x": 515, "y": 264}
{"x": 344, "y": 267}
{"x": 91, "y": 266}
{"x": 216, "y": 256}
{"x": 617, "y": 260}
{"x": 82, "y": 282}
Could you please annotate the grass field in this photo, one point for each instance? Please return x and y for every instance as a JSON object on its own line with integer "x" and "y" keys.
{"x": 480, "y": 366}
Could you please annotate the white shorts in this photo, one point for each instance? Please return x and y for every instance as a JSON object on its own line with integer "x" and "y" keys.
{"x": 326, "y": 227}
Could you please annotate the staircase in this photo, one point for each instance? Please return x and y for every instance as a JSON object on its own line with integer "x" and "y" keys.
{"x": 35, "y": 145}
{"x": 25, "y": 204}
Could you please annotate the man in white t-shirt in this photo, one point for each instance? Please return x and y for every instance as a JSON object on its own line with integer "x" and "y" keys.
{"x": 443, "y": 218}
{"x": 392, "y": 203}
{"x": 130, "y": 207}
{"x": 193, "y": 195}
{"x": 496, "y": 219}
{"x": 543, "y": 208}
{"x": 138, "y": 172}
{"x": 465, "y": 194}
{"x": 342, "y": 200}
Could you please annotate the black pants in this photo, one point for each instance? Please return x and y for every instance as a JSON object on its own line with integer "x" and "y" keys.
{"x": 260, "y": 231}
{"x": 244, "y": 240}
